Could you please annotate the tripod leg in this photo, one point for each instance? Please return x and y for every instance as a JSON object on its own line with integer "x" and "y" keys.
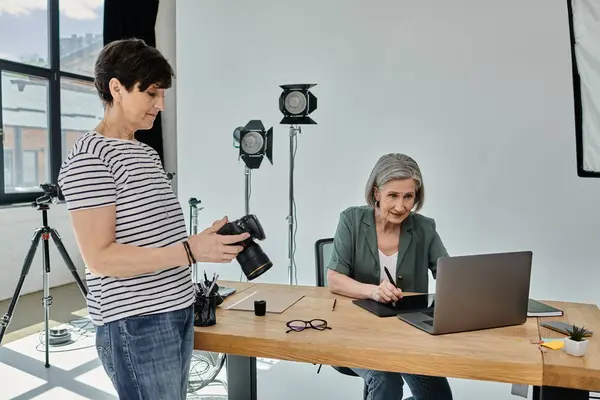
{"x": 67, "y": 259}
{"x": 35, "y": 240}
{"x": 46, "y": 299}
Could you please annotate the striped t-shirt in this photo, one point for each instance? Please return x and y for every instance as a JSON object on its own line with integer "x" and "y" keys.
{"x": 101, "y": 171}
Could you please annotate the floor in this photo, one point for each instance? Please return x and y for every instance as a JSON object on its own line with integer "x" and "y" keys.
{"x": 76, "y": 372}
{"x": 28, "y": 317}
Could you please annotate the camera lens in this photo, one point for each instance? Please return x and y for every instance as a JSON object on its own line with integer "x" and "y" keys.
{"x": 254, "y": 261}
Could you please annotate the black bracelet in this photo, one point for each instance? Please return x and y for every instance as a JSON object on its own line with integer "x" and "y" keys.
{"x": 188, "y": 250}
{"x": 187, "y": 253}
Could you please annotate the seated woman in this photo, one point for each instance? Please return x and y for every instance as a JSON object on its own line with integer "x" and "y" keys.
{"x": 388, "y": 232}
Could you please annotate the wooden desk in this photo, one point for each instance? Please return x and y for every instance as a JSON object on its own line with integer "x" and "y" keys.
{"x": 565, "y": 371}
{"x": 500, "y": 355}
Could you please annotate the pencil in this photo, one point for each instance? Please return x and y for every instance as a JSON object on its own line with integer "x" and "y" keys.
{"x": 334, "y": 301}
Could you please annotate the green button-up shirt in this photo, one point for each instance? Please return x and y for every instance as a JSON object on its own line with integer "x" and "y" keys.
{"x": 355, "y": 252}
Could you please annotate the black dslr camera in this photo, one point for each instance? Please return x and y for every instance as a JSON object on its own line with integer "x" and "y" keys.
{"x": 252, "y": 259}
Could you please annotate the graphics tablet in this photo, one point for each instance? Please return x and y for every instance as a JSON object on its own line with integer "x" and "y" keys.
{"x": 407, "y": 304}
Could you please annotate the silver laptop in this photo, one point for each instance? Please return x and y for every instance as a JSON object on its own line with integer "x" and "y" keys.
{"x": 477, "y": 292}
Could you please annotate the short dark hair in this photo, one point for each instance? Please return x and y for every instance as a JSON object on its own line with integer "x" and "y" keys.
{"x": 131, "y": 61}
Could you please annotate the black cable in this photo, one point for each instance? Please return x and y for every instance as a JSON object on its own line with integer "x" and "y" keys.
{"x": 200, "y": 365}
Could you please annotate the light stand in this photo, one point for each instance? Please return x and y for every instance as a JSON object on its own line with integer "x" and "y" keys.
{"x": 295, "y": 103}
{"x": 254, "y": 143}
{"x": 248, "y": 189}
{"x": 215, "y": 360}
{"x": 44, "y": 233}
{"x": 193, "y": 203}
{"x": 291, "y": 218}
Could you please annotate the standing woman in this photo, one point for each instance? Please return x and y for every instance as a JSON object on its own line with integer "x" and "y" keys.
{"x": 131, "y": 232}
{"x": 388, "y": 232}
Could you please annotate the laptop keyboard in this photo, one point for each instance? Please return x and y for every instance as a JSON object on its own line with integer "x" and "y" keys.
{"x": 429, "y": 313}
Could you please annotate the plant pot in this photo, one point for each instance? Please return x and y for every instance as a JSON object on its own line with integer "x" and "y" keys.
{"x": 574, "y": 348}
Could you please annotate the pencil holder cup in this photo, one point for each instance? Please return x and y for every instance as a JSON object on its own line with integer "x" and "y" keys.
{"x": 214, "y": 291}
{"x": 205, "y": 310}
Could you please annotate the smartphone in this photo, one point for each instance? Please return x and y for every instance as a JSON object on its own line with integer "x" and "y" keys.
{"x": 561, "y": 327}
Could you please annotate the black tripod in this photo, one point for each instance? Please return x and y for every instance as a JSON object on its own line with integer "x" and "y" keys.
{"x": 44, "y": 233}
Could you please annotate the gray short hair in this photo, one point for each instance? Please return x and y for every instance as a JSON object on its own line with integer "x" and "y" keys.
{"x": 395, "y": 166}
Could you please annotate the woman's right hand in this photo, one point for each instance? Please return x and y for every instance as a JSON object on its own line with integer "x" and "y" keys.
{"x": 209, "y": 246}
{"x": 386, "y": 293}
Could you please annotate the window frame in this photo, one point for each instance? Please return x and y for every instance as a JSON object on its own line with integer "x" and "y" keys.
{"x": 12, "y": 163}
{"x": 53, "y": 74}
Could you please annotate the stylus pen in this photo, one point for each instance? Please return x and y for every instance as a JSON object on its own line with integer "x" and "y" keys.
{"x": 387, "y": 272}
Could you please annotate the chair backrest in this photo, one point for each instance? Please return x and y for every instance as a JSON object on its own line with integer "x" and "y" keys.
{"x": 323, "y": 248}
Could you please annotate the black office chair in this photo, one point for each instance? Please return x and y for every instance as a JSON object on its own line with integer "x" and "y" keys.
{"x": 323, "y": 249}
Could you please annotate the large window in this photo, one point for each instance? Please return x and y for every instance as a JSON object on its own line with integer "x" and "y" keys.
{"x": 47, "y": 97}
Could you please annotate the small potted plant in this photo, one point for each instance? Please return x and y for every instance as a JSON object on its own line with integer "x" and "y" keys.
{"x": 576, "y": 344}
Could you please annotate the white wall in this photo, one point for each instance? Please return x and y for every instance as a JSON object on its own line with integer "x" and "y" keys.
{"x": 17, "y": 224}
{"x": 480, "y": 94}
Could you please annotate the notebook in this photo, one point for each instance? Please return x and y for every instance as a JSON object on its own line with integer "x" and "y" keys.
{"x": 537, "y": 309}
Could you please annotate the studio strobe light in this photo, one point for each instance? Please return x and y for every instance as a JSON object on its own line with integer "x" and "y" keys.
{"x": 254, "y": 143}
{"x": 296, "y": 103}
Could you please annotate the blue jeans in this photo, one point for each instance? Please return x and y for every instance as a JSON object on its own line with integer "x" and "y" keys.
{"x": 380, "y": 385}
{"x": 148, "y": 357}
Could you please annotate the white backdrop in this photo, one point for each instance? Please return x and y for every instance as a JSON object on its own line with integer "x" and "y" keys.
{"x": 486, "y": 113}
{"x": 480, "y": 93}
{"x": 586, "y": 24}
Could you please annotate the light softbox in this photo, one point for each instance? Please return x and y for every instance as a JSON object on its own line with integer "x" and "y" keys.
{"x": 584, "y": 21}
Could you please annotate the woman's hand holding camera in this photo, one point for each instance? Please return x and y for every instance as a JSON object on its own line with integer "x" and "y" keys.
{"x": 209, "y": 246}
{"x": 386, "y": 293}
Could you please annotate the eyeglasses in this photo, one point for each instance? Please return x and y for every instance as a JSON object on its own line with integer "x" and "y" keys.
{"x": 299, "y": 325}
